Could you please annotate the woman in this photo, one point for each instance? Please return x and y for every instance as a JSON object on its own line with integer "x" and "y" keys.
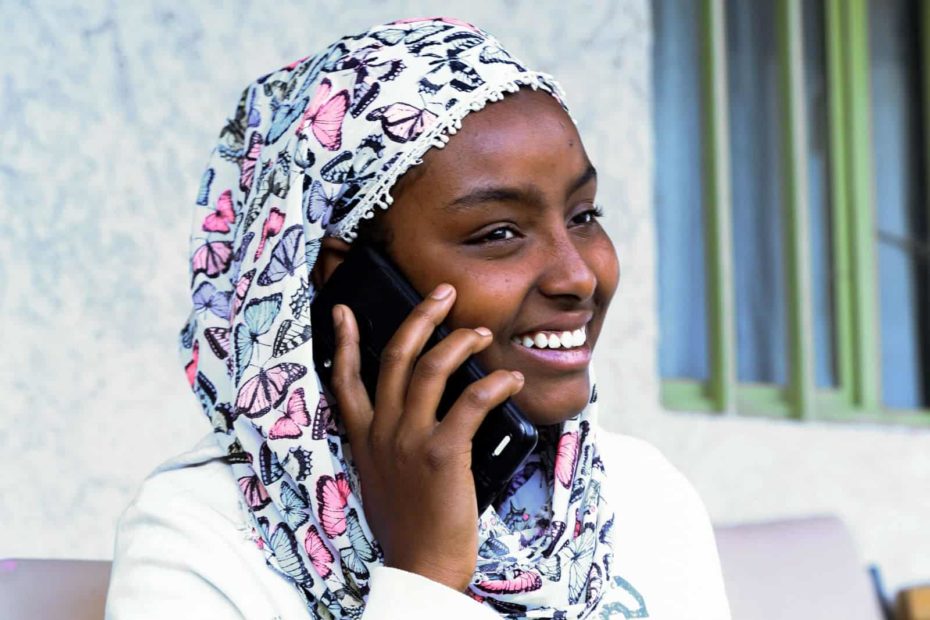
{"x": 306, "y": 504}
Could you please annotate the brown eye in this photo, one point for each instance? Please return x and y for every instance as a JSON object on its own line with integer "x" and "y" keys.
{"x": 588, "y": 216}
{"x": 500, "y": 234}
{"x": 504, "y": 233}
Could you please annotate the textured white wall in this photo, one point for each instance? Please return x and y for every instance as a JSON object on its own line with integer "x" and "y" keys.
{"x": 109, "y": 112}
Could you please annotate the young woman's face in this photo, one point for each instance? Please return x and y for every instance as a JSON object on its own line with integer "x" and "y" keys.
{"x": 506, "y": 214}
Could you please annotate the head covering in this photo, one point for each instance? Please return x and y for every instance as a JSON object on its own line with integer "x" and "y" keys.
{"x": 311, "y": 150}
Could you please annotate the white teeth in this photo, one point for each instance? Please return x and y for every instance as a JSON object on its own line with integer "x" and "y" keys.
{"x": 543, "y": 340}
{"x": 579, "y": 337}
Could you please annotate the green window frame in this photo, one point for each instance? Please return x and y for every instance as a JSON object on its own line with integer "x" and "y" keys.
{"x": 857, "y": 396}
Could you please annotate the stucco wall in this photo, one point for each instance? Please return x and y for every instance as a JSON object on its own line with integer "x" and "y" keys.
{"x": 109, "y": 111}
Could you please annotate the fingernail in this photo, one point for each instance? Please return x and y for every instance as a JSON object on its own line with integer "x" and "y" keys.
{"x": 518, "y": 375}
{"x": 442, "y": 291}
{"x": 483, "y": 331}
{"x": 338, "y": 315}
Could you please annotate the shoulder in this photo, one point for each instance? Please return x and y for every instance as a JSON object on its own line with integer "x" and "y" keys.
{"x": 621, "y": 449}
{"x": 184, "y": 548}
{"x": 662, "y": 532}
{"x": 648, "y": 490}
{"x": 198, "y": 480}
{"x": 637, "y": 467}
{"x": 193, "y": 495}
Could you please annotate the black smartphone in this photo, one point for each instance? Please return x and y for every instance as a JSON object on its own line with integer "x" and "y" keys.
{"x": 381, "y": 299}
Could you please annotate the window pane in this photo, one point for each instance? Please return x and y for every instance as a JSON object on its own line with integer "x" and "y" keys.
{"x": 818, "y": 196}
{"x": 678, "y": 190}
{"x": 900, "y": 216}
{"x": 756, "y": 156}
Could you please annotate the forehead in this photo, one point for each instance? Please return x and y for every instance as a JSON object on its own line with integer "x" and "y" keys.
{"x": 526, "y": 138}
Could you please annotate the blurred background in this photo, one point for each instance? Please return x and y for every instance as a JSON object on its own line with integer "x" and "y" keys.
{"x": 763, "y": 164}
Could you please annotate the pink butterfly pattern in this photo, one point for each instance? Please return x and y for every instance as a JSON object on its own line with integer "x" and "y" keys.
{"x": 212, "y": 258}
{"x": 522, "y": 581}
{"x": 566, "y": 458}
{"x": 247, "y": 169}
{"x": 270, "y": 228}
{"x": 242, "y": 288}
{"x": 191, "y": 368}
{"x": 332, "y": 496}
{"x": 403, "y": 122}
{"x": 223, "y": 216}
{"x": 320, "y": 556}
{"x": 267, "y": 389}
{"x": 295, "y": 416}
{"x": 447, "y": 20}
{"x": 256, "y": 495}
{"x": 324, "y": 116}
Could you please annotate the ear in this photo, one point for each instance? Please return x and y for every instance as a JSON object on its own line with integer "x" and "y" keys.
{"x": 332, "y": 252}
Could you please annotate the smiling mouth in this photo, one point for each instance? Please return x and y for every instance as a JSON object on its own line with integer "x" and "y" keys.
{"x": 553, "y": 340}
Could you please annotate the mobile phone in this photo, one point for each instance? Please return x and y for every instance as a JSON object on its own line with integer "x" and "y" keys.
{"x": 381, "y": 299}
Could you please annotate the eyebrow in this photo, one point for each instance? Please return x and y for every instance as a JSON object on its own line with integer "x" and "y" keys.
{"x": 529, "y": 194}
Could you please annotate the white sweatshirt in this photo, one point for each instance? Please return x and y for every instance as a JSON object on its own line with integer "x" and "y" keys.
{"x": 184, "y": 549}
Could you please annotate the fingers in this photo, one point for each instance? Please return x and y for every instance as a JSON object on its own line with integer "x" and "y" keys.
{"x": 466, "y": 415}
{"x": 432, "y": 371}
{"x": 401, "y": 352}
{"x": 347, "y": 381}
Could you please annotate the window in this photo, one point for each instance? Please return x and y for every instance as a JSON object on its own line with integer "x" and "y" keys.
{"x": 792, "y": 207}
{"x": 901, "y": 202}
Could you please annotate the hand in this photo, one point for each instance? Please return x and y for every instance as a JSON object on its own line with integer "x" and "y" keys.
{"x": 417, "y": 485}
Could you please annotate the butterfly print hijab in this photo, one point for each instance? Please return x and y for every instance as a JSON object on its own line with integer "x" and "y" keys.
{"x": 310, "y": 150}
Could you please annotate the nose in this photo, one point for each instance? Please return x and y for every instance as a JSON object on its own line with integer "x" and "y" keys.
{"x": 567, "y": 273}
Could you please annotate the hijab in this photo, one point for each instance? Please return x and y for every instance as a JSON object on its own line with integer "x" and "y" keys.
{"x": 311, "y": 150}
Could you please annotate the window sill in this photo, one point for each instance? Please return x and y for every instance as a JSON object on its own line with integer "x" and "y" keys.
{"x": 768, "y": 401}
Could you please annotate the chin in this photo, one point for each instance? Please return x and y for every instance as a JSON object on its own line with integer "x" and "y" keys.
{"x": 553, "y": 405}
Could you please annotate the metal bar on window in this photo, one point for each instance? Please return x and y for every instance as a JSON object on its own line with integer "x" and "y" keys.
{"x": 923, "y": 218}
{"x": 796, "y": 234}
{"x": 716, "y": 168}
{"x": 839, "y": 191}
{"x": 866, "y": 376}
{"x": 924, "y": 38}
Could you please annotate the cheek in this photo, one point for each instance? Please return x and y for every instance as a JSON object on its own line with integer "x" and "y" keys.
{"x": 606, "y": 265}
{"x": 485, "y": 299}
